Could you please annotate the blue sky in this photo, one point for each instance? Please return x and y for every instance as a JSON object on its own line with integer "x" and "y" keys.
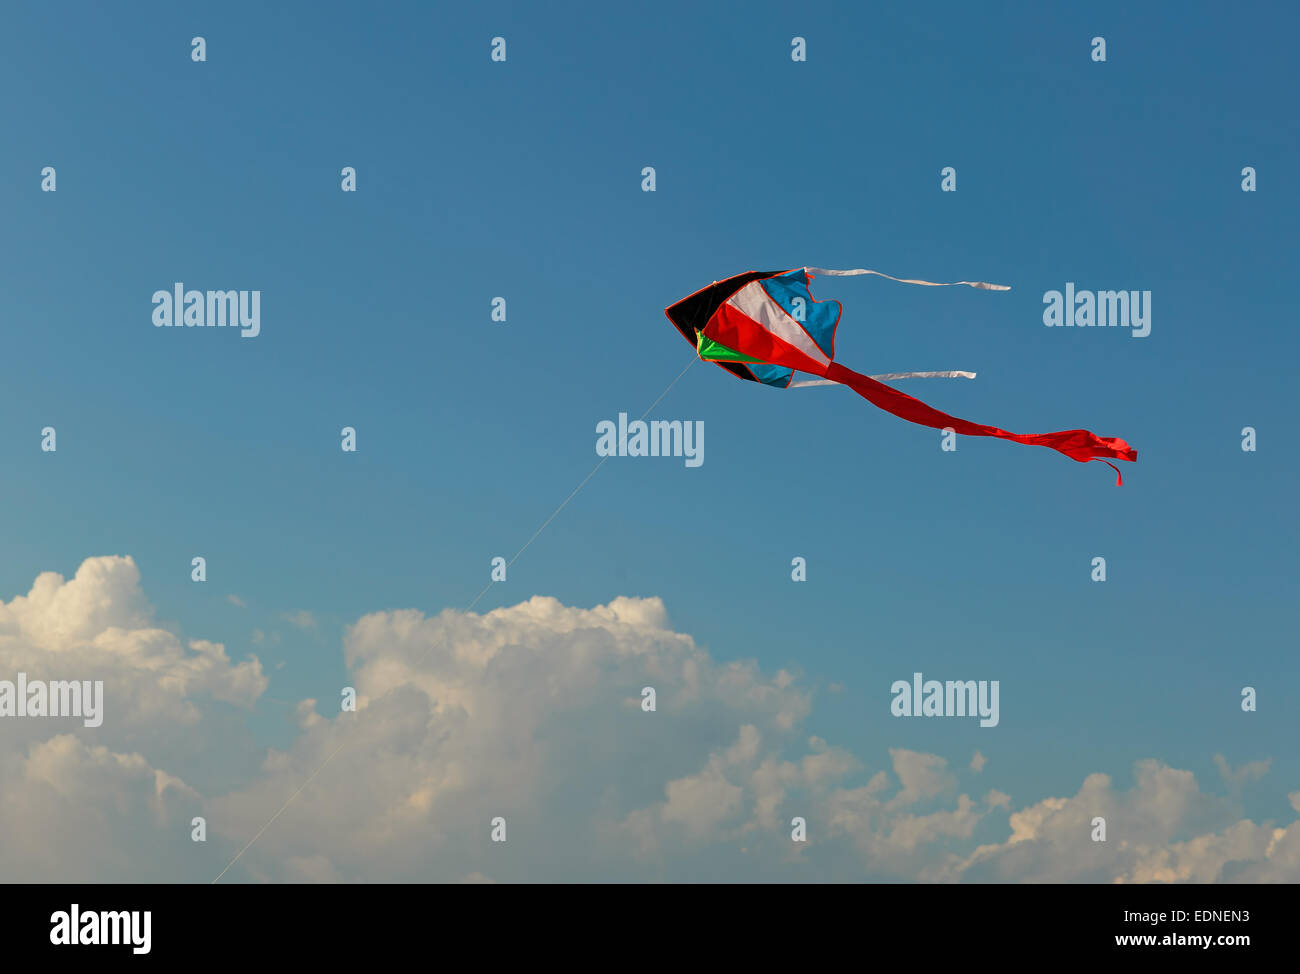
{"x": 522, "y": 179}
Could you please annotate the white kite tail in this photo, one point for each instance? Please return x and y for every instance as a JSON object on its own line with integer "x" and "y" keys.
{"x": 859, "y": 271}
{"x": 885, "y": 378}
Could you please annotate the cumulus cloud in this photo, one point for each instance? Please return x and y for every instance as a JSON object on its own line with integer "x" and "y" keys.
{"x": 533, "y": 713}
{"x": 1163, "y": 829}
{"x": 105, "y": 802}
{"x": 1248, "y": 772}
{"x": 87, "y": 813}
{"x": 98, "y": 625}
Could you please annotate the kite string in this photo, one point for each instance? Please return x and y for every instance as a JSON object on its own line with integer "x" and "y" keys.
{"x": 574, "y": 493}
{"x": 554, "y": 514}
{"x": 272, "y": 819}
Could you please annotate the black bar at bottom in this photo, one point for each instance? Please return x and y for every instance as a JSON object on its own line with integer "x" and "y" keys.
{"x": 674, "y": 925}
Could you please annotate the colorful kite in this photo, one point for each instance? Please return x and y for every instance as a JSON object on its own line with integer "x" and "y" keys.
{"x": 764, "y": 326}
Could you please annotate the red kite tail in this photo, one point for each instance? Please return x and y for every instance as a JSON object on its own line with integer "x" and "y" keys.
{"x": 1076, "y": 444}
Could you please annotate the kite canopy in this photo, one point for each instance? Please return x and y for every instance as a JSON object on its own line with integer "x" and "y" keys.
{"x": 763, "y": 326}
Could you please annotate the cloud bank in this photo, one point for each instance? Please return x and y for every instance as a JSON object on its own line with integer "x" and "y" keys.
{"x": 532, "y": 714}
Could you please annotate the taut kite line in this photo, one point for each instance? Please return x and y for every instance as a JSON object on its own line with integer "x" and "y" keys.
{"x": 764, "y": 326}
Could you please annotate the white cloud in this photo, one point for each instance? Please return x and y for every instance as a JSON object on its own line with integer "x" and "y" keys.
{"x": 73, "y": 812}
{"x": 97, "y": 625}
{"x": 95, "y": 804}
{"x": 1163, "y": 829}
{"x": 302, "y": 619}
{"x": 529, "y": 712}
{"x": 924, "y": 776}
{"x": 1248, "y": 772}
{"x": 533, "y": 713}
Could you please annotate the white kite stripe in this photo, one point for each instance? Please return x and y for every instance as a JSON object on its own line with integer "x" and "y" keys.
{"x": 755, "y": 303}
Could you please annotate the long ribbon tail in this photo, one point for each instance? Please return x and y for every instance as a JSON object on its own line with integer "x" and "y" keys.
{"x": 886, "y": 377}
{"x": 859, "y": 271}
{"x": 1076, "y": 444}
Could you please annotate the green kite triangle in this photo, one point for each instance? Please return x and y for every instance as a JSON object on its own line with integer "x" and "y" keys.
{"x": 712, "y": 351}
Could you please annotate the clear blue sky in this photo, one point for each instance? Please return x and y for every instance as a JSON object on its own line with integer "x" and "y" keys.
{"x": 522, "y": 179}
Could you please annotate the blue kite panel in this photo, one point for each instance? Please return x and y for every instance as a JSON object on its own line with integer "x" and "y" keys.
{"x": 818, "y": 318}
{"x": 771, "y": 375}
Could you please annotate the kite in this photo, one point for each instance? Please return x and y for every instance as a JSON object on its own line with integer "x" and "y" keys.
{"x": 763, "y": 326}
